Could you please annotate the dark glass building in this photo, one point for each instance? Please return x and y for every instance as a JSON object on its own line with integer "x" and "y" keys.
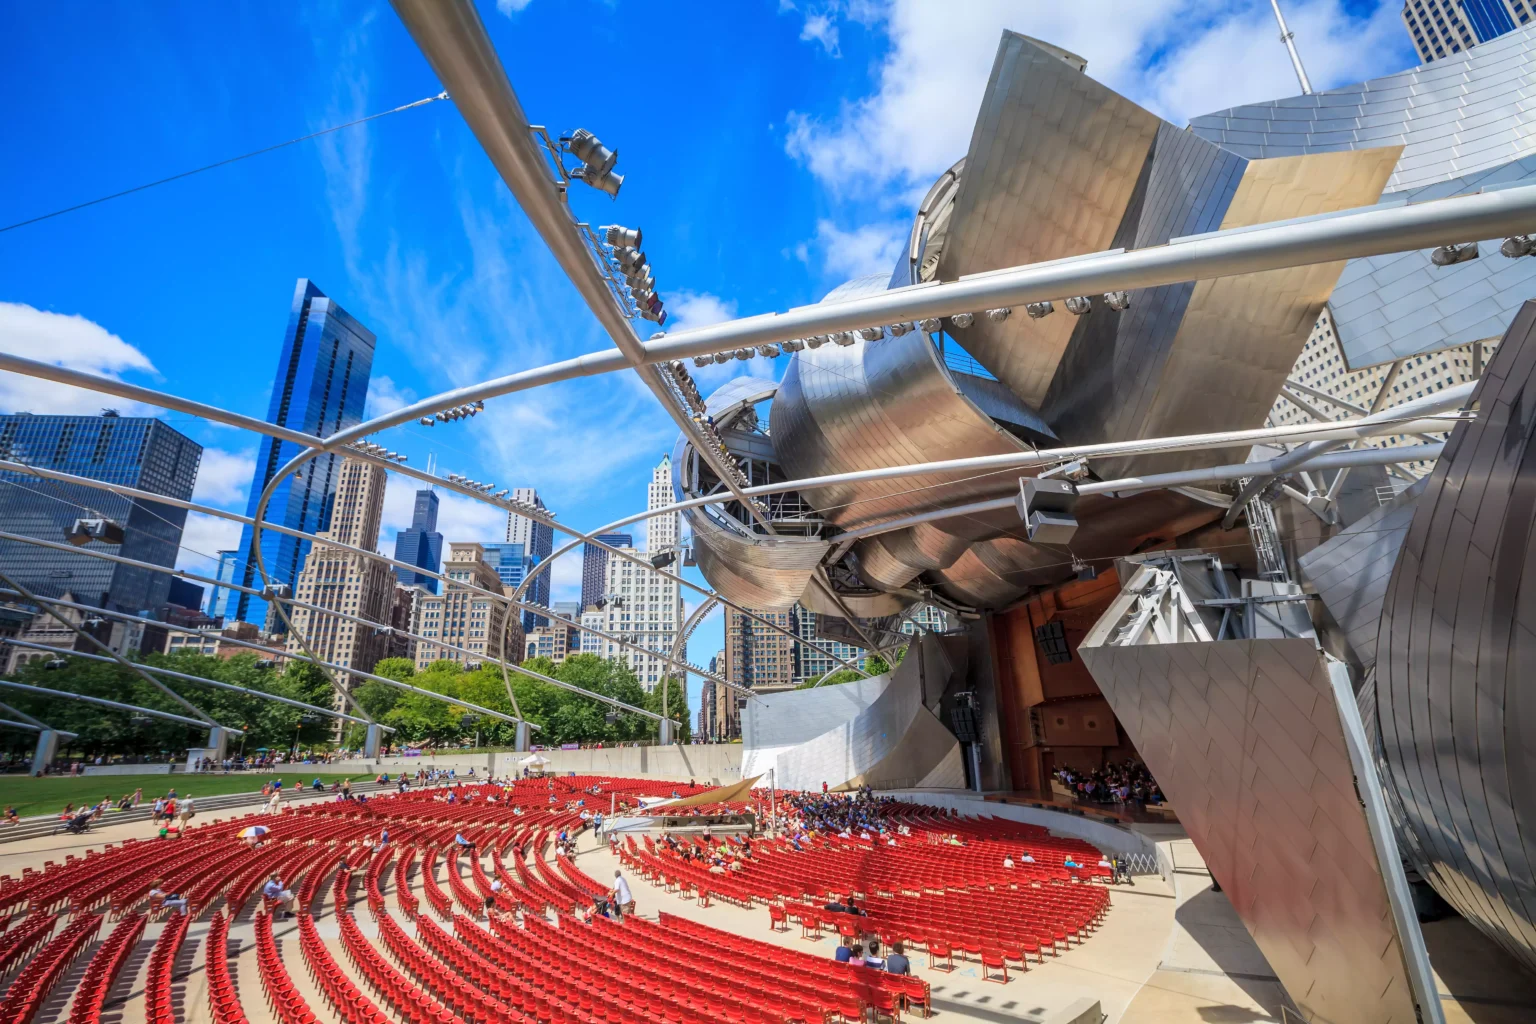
{"x": 135, "y": 451}
{"x": 513, "y": 563}
{"x": 421, "y": 545}
{"x": 594, "y": 566}
{"x": 321, "y": 385}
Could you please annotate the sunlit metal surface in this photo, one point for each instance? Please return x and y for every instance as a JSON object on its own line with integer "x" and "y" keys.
{"x": 1245, "y": 738}
{"x": 1455, "y": 651}
{"x": 1466, "y": 123}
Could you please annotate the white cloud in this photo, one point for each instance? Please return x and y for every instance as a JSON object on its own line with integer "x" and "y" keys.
{"x": 385, "y": 396}
{"x": 871, "y": 249}
{"x": 565, "y": 585}
{"x": 511, "y": 7}
{"x": 69, "y": 341}
{"x": 1176, "y": 57}
{"x": 687, "y": 309}
{"x": 821, "y": 28}
{"x": 201, "y": 540}
{"x": 224, "y": 478}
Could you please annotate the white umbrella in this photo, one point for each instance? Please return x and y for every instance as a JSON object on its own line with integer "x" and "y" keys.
{"x": 254, "y": 832}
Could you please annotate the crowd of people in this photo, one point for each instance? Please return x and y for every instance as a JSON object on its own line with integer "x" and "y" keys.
{"x": 1127, "y": 783}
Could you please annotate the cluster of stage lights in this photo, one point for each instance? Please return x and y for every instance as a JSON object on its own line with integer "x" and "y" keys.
{"x": 699, "y": 413}
{"x": 378, "y": 451}
{"x": 458, "y": 412}
{"x": 1514, "y": 247}
{"x": 1077, "y": 305}
{"x": 636, "y": 270}
{"x": 476, "y": 485}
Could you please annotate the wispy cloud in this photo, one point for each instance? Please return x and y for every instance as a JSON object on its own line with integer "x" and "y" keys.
{"x": 822, "y": 29}
{"x": 511, "y": 7}
{"x": 385, "y": 396}
{"x": 202, "y": 539}
{"x": 70, "y": 341}
{"x": 860, "y": 252}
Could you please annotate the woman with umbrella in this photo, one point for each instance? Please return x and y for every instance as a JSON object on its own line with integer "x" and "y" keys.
{"x": 253, "y": 834}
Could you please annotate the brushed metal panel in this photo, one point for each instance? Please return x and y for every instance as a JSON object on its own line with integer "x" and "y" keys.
{"x": 1054, "y": 159}
{"x": 1456, "y": 654}
{"x": 1245, "y": 738}
{"x": 1223, "y": 361}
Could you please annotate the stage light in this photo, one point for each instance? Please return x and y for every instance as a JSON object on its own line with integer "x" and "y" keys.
{"x": 597, "y": 162}
{"x": 722, "y": 357}
{"x": 1118, "y": 301}
{"x": 843, "y": 338}
{"x": 98, "y": 529}
{"x": 1077, "y": 305}
{"x": 1040, "y": 310}
{"x": 793, "y": 345}
{"x": 744, "y": 353}
{"x": 998, "y": 315}
{"x": 897, "y": 330}
{"x": 962, "y": 320}
{"x": 871, "y": 333}
{"x": 620, "y": 236}
{"x": 771, "y": 351}
{"x": 1449, "y": 255}
{"x": 1519, "y": 245}
{"x": 702, "y": 360}
{"x": 930, "y": 325}
{"x": 816, "y": 341}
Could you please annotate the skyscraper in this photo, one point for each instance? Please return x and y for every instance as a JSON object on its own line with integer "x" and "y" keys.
{"x": 594, "y": 565}
{"x": 814, "y": 656}
{"x": 537, "y": 540}
{"x": 135, "y": 451}
{"x": 646, "y": 609}
{"x": 756, "y": 655}
{"x": 221, "y": 600}
{"x": 421, "y": 545}
{"x": 320, "y": 388}
{"x": 663, "y": 531}
{"x": 1443, "y": 27}
{"x": 464, "y": 618}
{"x": 341, "y": 580}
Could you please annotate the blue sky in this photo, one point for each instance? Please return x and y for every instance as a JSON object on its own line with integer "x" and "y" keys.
{"x": 771, "y": 150}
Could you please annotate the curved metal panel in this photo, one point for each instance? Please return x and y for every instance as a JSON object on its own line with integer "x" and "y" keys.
{"x": 1456, "y": 656}
{"x": 875, "y": 404}
{"x": 748, "y": 568}
{"x": 1054, "y": 160}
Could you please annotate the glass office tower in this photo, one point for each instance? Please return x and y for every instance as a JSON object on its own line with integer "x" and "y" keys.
{"x": 594, "y": 566}
{"x": 135, "y": 451}
{"x": 421, "y": 545}
{"x": 513, "y": 563}
{"x": 321, "y": 385}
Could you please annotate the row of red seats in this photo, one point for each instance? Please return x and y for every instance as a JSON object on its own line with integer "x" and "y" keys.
{"x": 18, "y": 943}
{"x": 349, "y": 1003}
{"x": 283, "y": 997}
{"x": 223, "y": 1000}
{"x": 30, "y": 989}
{"x": 446, "y": 986}
{"x": 413, "y": 1005}
{"x": 157, "y": 983}
{"x": 103, "y": 970}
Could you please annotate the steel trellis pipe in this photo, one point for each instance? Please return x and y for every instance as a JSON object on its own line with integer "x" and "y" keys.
{"x": 103, "y": 702}
{"x": 203, "y": 680}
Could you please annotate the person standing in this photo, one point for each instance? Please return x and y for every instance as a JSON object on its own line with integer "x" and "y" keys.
{"x": 623, "y": 900}
{"x": 185, "y": 811}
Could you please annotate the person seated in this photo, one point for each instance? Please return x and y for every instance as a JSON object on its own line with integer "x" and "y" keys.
{"x": 735, "y": 865}
{"x": 280, "y": 897}
{"x": 462, "y": 843}
{"x": 872, "y": 958}
{"x": 717, "y": 868}
{"x": 897, "y": 962}
{"x": 159, "y": 897}
{"x": 1026, "y": 857}
{"x": 1008, "y": 861}
{"x": 835, "y": 907}
{"x": 856, "y": 955}
{"x": 1070, "y": 863}
{"x": 852, "y": 908}
{"x": 844, "y": 950}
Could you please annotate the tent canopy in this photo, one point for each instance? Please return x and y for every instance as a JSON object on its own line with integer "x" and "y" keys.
{"x": 533, "y": 759}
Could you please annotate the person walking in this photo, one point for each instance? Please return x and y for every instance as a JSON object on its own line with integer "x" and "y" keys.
{"x": 185, "y": 811}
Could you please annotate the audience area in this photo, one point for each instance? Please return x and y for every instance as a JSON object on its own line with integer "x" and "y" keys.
{"x": 464, "y": 903}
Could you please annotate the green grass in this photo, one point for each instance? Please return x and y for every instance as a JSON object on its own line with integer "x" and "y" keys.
{"x": 49, "y": 795}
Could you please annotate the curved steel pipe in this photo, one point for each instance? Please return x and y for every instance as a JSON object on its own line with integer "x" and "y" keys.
{"x": 103, "y": 702}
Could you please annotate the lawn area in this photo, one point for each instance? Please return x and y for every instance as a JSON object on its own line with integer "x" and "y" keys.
{"x": 49, "y": 795}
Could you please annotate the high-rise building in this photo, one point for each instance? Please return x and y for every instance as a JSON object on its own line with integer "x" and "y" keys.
{"x": 664, "y": 531}
{"x": 464, "y": 618}
{"x": 815, "y": 656}
{"x": 344, "y": 581}
{"x": 723, "y": 703}
{"x": 1443, "y": 27}
{"x": 646, "y": 609}
{"x": 221, "y": 600}
{"x": 927, "y": 617}
{"x": 320, "y": 388}
{"x": 402, "y": 619}
{"x": 1322, "y": 386}
{"x": 421, "y": 545}
{"x": 594, "y": 565}
{"x": 756, "y": 656}
{"x": 592, "y": 618}
{"x": 135, "y": 451}
{"x": 538, "y": 541}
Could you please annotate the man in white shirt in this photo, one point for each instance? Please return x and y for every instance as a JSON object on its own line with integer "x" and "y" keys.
{"x": 623, "y": 900}
{"x": 279, "y": 896}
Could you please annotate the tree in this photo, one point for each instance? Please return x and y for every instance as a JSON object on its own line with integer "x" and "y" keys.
{"x": 842, "y": 675}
